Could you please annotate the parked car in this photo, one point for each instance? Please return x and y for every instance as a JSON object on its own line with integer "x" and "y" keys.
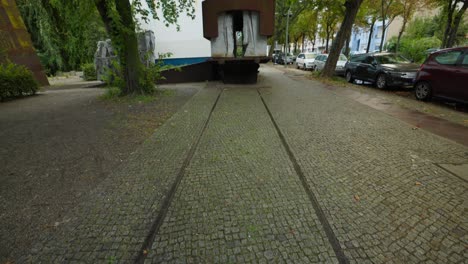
{"x": 444, "y": 74}
{"x": 276, "y": 55}
{"x": 305, "y": 61}
{"x": 286, "y": 59}
{"x": 321, "y": 59}
{"x": 340, "y": 65}
{"x": 382, "y": 69}
{"x": 319, "y": 62}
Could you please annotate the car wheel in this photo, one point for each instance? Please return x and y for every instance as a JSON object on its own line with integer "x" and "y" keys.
{"x": 423, "y": 91}
{"x": 297, "y": 66}
{"x": 381, "y": 82}
{"x": 349, "y": 77}
{"x": 304, "y": 67}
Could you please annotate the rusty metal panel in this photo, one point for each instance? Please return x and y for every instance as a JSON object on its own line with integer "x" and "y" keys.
{"x": 16, "y": 41}
{"x": 211, "y": 9}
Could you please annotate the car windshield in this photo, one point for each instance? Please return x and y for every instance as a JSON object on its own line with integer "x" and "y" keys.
{"x": 343, "y": 58}
{"x": 310, "y": 56}
{"x": 391, "y": 59}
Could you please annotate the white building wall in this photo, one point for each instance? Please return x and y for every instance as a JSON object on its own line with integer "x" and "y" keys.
{"x": 186, "y": 43}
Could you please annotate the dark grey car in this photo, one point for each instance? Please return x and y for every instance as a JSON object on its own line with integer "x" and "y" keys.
{"x": 382, "y": 69}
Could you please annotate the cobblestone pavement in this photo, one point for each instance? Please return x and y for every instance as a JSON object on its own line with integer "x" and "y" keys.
{"x": 112, "y": 224}
{"x": 303, "y": 176}
{"x": 375, "y": 176}
{"x": 241, "y": 200}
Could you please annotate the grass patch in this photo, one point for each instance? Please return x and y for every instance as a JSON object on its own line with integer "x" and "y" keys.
{"x": 113, "y": 94}
{"x": 334, "y": 80}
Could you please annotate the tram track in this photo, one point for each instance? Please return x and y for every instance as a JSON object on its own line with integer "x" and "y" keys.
{"x": 156, "y": 225}
{"x": 332, "y": 239}
{"x": 164, "y": 208}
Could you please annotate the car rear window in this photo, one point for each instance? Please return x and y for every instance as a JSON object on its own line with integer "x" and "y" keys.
{"x": 358, "y": 58}
{"x": 391, "y": 59}
{"x": 448, "y": 58}
{"x": 465, "y": 61}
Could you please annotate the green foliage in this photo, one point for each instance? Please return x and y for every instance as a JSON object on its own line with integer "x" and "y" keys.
{"x": 147, "y": 80}
{"x": 64, "y": 33}
{"x": 414, "y": 48}
{"x": 424, "y": 28}
{"x": 112, "y": 93}
{"x": 422, "y": 34}
{"x": 89, "y": 71}
{"x": 3, "y": 55}
{"x": 113, "y": 77}
{"x": 15, "y": 81}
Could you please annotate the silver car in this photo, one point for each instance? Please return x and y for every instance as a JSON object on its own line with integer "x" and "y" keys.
{"x": 321, "y": 59}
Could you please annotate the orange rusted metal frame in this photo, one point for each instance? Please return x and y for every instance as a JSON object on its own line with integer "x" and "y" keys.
{"x": 212, "y": 8}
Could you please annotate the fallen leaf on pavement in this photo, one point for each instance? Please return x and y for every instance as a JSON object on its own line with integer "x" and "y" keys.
{"x": 145, "y": 252}
{"x": 357, "y": 198}
{"x": 418, "y": 183}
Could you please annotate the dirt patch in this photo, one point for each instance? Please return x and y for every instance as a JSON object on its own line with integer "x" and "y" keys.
{"x": 58, "y": 145}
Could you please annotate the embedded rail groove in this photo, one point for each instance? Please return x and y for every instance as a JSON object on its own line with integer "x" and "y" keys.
{"x": 332, "y": 239}
{"x": 170, "y": 196}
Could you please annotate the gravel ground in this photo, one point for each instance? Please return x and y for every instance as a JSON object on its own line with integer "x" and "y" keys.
{"x": 56, "y": 146}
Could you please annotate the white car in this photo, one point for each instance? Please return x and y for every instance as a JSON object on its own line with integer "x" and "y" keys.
{"x": 320, "y": 60}
{"x": 305, "y": 60}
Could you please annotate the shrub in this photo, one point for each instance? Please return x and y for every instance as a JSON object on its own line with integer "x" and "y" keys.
{"x": 89, "y": 72}
{"x": 16, "y": 80}
{"x": 414, "y": 48}
{"x": 149, "y": 76}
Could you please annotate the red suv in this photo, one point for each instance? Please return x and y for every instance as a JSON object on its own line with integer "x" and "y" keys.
{"x": 444, "y": 74}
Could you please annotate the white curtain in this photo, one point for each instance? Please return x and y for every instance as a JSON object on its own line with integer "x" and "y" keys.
{"x": 223, "y": 45}
{"x": 256, "y": 44}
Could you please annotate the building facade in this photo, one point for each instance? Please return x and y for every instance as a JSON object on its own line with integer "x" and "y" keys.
{"x": 187, "y": 45}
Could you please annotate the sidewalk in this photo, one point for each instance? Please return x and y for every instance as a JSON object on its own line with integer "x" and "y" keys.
{"x": 305, "y": 176}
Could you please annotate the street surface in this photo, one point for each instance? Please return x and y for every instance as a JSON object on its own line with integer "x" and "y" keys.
{"x": 283, "y": 171}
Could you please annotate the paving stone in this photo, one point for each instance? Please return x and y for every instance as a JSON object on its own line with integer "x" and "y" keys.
{"x": 241, "y": 200}
{"x": 241, "y": 181}
{"x": 127, "y": 202}
{"x": 349, "y": 150}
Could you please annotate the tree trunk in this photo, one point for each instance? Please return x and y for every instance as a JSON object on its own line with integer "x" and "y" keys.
{"x": 383, "y": 26}
{"x": 370, "y": 34}
{"x": 403, "y": 27}
{"x": 448, "y": 27}
{"x": 125, "y": 41}
{"x": 348, "y": 41}
{"x": 456, "y": 24}
{"x": 352, "y": 7}
{"x": 273, "y": 46}
{"x": 327, "y": 41}
{"x": 303, "y": 42}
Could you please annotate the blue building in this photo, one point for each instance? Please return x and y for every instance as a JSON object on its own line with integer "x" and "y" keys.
{"x": 360, "y": 39}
